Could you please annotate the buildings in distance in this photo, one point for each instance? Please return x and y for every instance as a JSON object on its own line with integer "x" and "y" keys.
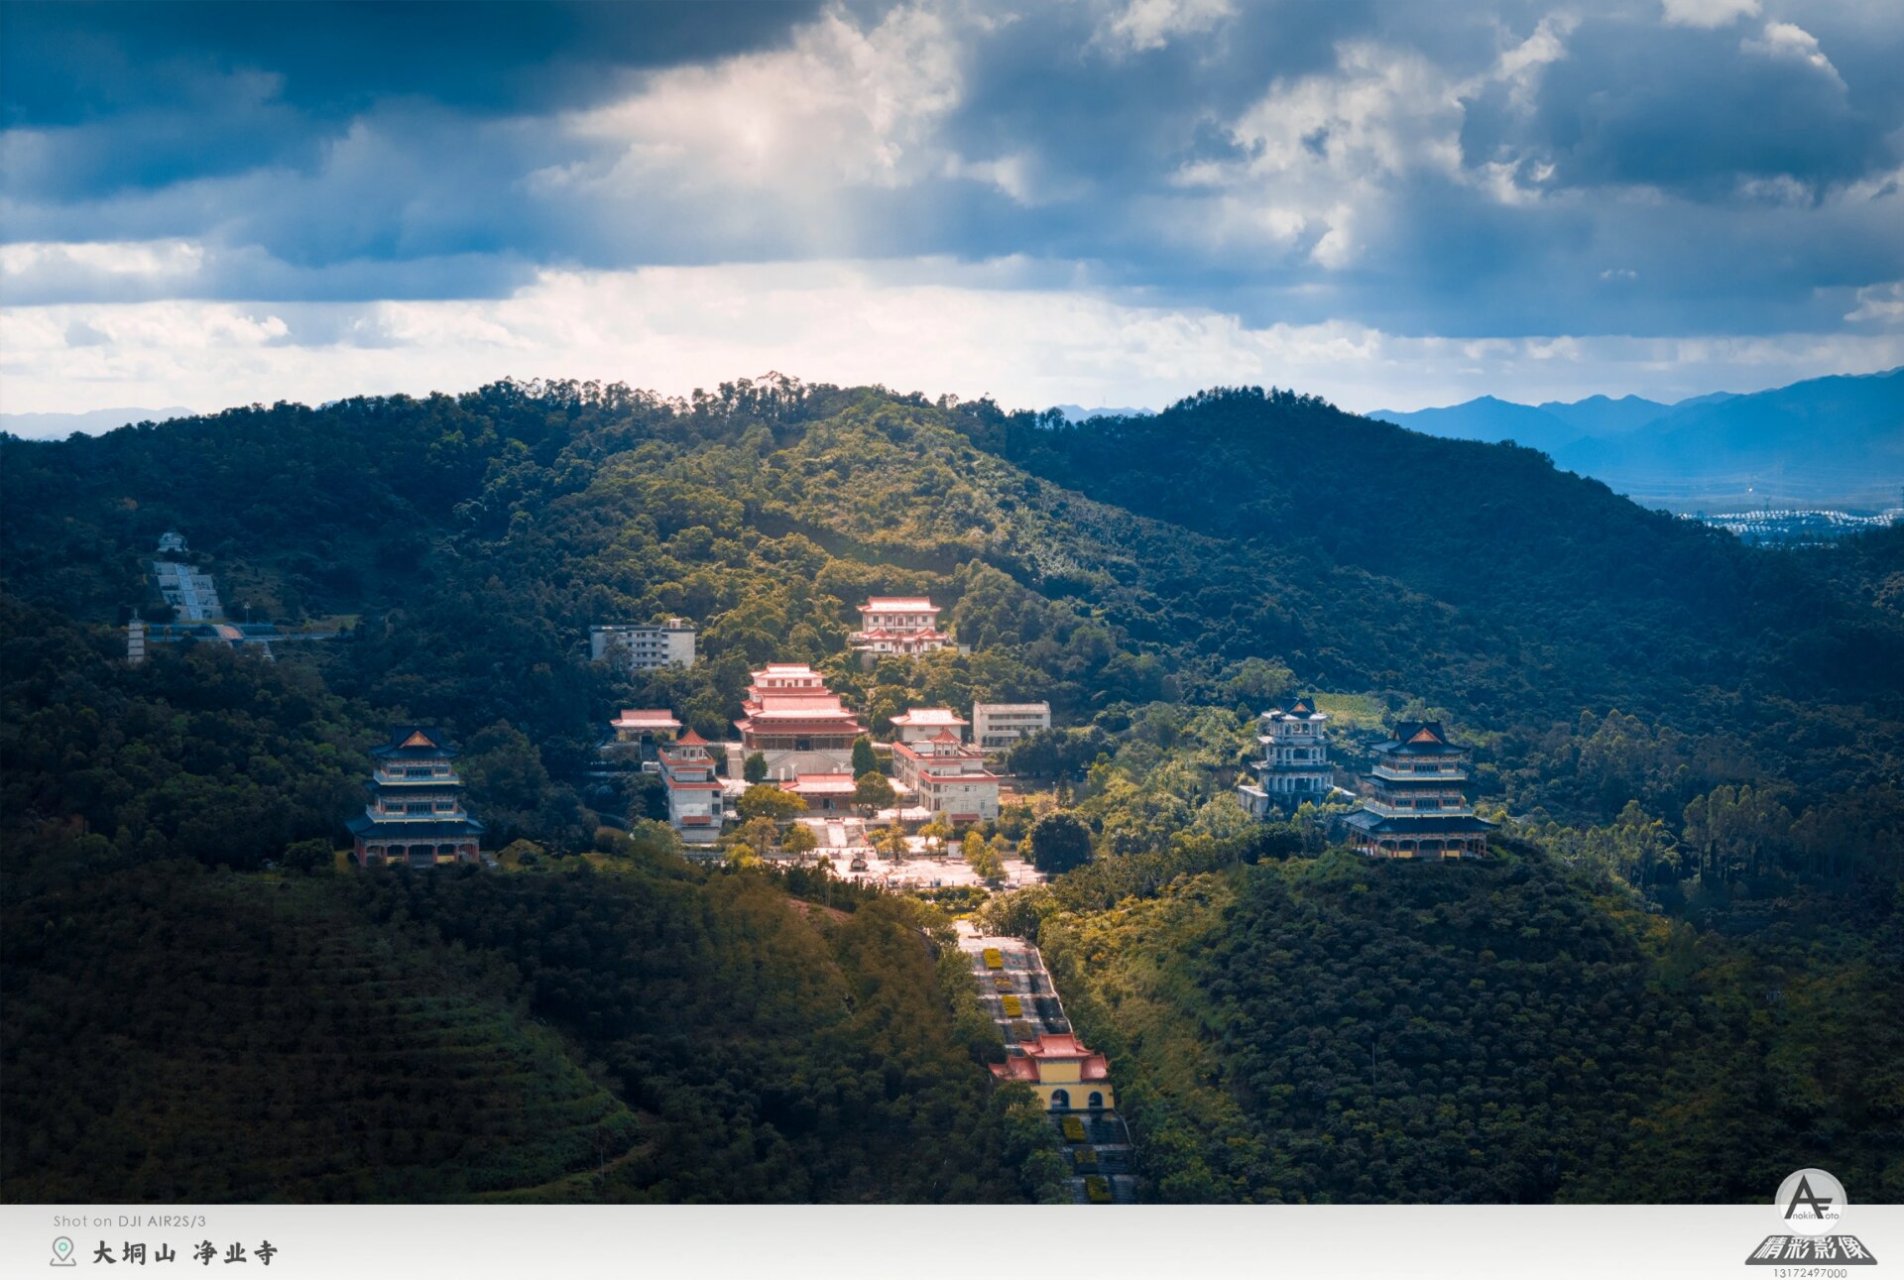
{"x": 669, "y": 644}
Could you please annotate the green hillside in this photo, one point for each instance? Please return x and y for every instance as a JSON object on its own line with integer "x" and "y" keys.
{"x": 636, "y": 1033}
{"x": 1702, "y": 741}
{"x": 1338, "y": 1031}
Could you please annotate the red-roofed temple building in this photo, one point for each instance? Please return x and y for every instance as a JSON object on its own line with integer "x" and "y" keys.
{"x": 652, "y": 726}
{"x": 905, "y": 625}
{"x": 1063, "y": 1073}
{"x": 946, "y": 777}
{"x": 822, "y": 792}
{"x": 695, "y": 808}
{"x": 922, "y": 724}
{"x": 796, "y": 723}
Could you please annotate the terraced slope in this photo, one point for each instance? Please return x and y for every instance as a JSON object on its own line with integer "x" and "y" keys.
{"x": 218, "y": 1038}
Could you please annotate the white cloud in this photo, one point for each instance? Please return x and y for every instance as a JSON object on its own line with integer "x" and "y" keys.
{"x": 1143, "y": 25}
{"x": 928, "y": 325}
{"x": 1794, "y": 44}
{"x": 1707, "y": 13}
{"x": 1326, "y": 152}
{"x": 25, "y": 263}
{"x": 842, "y": 105}
{"x": 1880, "y": 302}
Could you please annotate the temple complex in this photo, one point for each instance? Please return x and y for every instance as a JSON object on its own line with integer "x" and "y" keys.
{"x": 416, "y": 816}
{"x": 1417, "y": 806}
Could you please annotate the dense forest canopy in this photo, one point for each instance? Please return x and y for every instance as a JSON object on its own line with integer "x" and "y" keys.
{"x": 1682, "y": 729}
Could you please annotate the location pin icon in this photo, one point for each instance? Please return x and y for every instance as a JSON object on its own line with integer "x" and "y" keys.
{"x": 63, "y": 1250}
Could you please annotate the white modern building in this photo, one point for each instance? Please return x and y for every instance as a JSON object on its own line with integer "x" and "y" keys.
{"x": 644, "y": 648}
{"x": 1295, "y": 765}
{"x": 997, "y": 725}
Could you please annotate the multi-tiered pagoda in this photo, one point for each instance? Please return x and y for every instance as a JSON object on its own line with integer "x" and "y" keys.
{"x": 1418, "y": 806}
{"x": 1295, "y": 765}
{"x": 416, "y": 816}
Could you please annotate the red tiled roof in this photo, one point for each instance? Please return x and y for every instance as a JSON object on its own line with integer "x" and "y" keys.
{"x": 692, "y": 739}
{"x": 630, "y": 719}
{"x": 929, "y": 715}
{"x": 820, "y": 784}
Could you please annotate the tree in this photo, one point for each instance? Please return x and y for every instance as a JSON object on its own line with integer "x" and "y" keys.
{"x": 765, "y": 800}
{"x": 755, "y": 836}
{"x": 985, "y": 860}
{"x": 312, "y": 857}
{"x": 890, "y": 841}
{"x": 937, "y": 832}
{"x": 754, "y": 767}
{"x": 972, "y": 846}
{"x": 872, "y": 792}
{"x": 864, "y": 759}
{"x": 800, "y": 840}
{"x": 1059, "y": 842}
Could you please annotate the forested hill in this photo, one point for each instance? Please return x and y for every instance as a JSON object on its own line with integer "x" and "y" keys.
{"x": 1115, "y": 560}
{"x": 1689, "y": 727}
{"x": 1607, "y": 601}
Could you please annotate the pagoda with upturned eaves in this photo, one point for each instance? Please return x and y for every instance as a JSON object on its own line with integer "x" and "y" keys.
{"x": 1417, "y": 806}
{"x": 416, "y": 816}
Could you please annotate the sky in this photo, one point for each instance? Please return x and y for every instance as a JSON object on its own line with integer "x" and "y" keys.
{"x": 1390, "y": 203}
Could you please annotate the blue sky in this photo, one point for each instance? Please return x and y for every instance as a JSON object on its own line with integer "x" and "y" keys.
{"x": 1388, "y": 202}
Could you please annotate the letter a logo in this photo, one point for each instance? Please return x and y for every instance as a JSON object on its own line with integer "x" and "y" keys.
{"x": 1811, "y": 1202}
{"x": 1804, "y": 1195}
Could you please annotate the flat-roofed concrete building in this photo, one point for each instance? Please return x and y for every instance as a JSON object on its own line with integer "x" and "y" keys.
{"x": 671, "y": 644}
{"x": 996, "y": 726}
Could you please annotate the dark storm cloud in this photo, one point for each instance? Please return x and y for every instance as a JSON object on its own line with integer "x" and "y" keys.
{"x": 1457, "y": 170}
{"x": 66, "y": 62}
{"x": 1688, "y": 111}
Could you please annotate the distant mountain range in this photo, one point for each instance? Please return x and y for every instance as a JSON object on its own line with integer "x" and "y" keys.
{"x": 1827, "y": 441}
{"x": 1078, "y": 413}
{"x": 57, "y": 426}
